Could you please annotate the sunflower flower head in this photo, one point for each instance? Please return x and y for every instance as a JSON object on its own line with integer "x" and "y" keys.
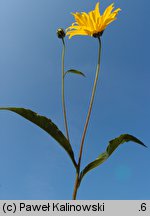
{"x": 92, "y": 23}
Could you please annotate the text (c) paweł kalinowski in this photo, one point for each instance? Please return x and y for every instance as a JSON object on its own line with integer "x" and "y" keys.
{"x": 67, "y": 207}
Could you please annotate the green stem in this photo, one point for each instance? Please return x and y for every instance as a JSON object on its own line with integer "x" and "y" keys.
{"x": 87, "y": 121}
{"x": 75, "y": 186}
{"x": 63, "y": 92}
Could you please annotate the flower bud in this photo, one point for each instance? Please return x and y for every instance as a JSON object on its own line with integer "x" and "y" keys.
{"x": 60, "y": 33}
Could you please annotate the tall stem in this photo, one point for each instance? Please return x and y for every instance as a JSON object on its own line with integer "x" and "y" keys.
{"x": 87, "y": 121}
{"x": 63, "y": 92}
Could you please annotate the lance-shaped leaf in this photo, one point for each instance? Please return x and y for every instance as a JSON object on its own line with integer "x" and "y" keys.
{"x": 75, "y": 72}
{"x": 113, "y": 144}
{"x": 98, "y": 161}
{"x": 47, "y": 125}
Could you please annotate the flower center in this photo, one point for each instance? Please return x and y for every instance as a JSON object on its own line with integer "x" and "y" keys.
{"x": 98, "y": 34}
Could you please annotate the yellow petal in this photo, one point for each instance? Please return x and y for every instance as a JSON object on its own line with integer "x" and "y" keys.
{"x": 78, "y": 18}
{"x": 108, "y": 10}
{"x": 76, "y": 32}
{"x": 85, "y": 18}
{"x": 97, "y": 12}
{"x": 92, "y": 19}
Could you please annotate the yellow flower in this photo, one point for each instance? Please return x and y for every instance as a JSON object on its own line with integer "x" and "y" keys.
{"x": 92, "y": 23}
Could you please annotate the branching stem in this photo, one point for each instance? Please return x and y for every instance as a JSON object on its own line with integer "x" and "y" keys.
{"x": 86, "y": 123}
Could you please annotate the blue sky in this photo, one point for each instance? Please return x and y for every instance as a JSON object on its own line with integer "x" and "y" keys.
{"x": 32, "y": 164}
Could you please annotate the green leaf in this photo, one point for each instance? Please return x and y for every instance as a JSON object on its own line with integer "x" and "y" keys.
{"x": 113, "y": 144}
{"x": 99, "y": 160}
{"x": 47, "y": 125}
{"x": 75, "y": 72}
